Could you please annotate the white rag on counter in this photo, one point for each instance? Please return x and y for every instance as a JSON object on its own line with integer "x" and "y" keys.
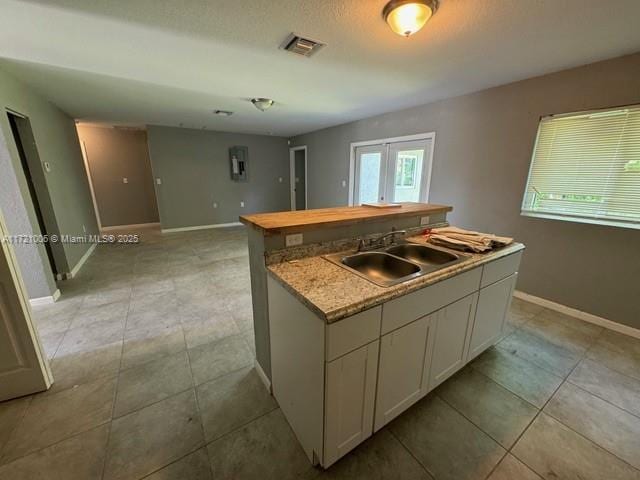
{"x": 460, "y": 239}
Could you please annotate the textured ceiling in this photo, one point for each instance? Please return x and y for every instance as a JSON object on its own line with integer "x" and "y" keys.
{"x": 172, "y": 62}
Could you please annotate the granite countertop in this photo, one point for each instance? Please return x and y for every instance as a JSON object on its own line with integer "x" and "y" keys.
{"x": 333, "y": 292}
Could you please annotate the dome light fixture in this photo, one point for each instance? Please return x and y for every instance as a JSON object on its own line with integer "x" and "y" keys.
{"x": 262, "y": 104}
{"x": 406, "y": 17}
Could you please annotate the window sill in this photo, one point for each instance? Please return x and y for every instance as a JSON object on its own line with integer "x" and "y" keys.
{"x": 594, "y": 221}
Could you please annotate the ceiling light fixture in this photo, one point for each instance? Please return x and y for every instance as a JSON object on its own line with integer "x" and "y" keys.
{"x": 223, "y": 113}
{"x": 262, "y": 104}
{"x": 406, "y": 17}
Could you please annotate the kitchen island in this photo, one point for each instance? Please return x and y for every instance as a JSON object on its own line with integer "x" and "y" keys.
{"x": 348, "y": 356}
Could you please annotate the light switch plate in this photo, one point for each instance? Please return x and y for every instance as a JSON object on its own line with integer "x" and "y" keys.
{"x": 424, "y": 221}
{"x": 125, "y": 180}
{"x": 293, "y": 240}
{"x": 159, "y": 181}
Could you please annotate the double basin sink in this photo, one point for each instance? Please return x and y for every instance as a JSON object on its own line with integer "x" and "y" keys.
{"x": 396, "y": 264}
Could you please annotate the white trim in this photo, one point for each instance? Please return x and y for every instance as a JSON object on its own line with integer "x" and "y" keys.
{"x": 45, "y": 300}
{"x": 579, "y": 314}
{"x": 263, "y": 376}
{"x": 85, "y": 158}
{"x": 590, "y": 220}
{"x": 292, "y": 179}
{"x": 407, "y": 138}
{"x": 129, "y": 227}
{"x": 201, "y": 227}
{"x": 74, "y": 271}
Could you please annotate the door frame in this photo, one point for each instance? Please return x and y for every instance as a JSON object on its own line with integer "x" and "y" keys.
{"x": 418, "y": 136}
{"x": 292, "y": 177}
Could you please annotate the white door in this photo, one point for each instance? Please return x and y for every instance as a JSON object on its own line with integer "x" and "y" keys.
{"x": 493, "y": 303}
{"x": 451, "y": 343}
{"x": 23, "y": 365}
{"x": 393, "y": 172}
{"x": 404, "y": 356}
{"x": 350, "y": 391}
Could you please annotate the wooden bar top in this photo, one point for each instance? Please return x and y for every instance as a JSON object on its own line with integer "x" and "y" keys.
{"x": 300, "y": 220}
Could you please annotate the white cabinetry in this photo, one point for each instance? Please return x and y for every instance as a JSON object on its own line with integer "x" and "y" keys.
{"x": 452, "y": 330}
{"x": 349, "y": 401}
{"x": 493, "y": 302}
{"x": 405, "y": 355}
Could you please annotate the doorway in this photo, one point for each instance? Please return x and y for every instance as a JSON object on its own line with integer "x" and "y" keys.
{"x": 298, "y": 175}
{"x": 391, "y": 170}
{"x": 30, "y": 161}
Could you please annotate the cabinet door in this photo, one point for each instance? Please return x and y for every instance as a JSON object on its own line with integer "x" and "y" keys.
{"x": 349, "y": 401}
{"x": 452, "y": 331}
{"x": 401, "y": 370}
{"x": 488, "y": 326}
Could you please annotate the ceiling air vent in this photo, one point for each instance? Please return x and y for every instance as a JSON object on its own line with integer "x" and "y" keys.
{"x": 302, "y": 46}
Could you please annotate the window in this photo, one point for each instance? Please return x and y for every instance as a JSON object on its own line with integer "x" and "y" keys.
{"x": 406, "y": 171}
{"x": 586, "y": 168}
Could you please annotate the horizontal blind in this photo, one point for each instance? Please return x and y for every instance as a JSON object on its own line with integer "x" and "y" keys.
{"x": 587, "y": 166}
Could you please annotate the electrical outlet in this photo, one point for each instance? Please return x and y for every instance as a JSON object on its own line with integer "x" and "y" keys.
{"x": 215, "y": 205}
{"x": 279, "y": 179}
{"x": 293, "y": 240}
{"x": 125, "y": 180}
{"x": 158, "y": 181}
{"x": 344, "y": 183}
{"x": 424, "y": 221}
{"x": 241, "y": 204}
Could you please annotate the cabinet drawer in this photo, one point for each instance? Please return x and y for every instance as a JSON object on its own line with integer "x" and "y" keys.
{"x": 499, "y": 269}
{"x": 352, "y": 332}
{"x": 404, "y": 310}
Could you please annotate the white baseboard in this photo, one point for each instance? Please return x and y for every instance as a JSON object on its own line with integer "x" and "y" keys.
{"x": 129, "y": 227}
{"x": 263, "y": 376}
{"x": 201, "y": 227}
{"x": 74, "y": 271}
{"x": 587, "y": 317}
{"x": 45, "y": 300}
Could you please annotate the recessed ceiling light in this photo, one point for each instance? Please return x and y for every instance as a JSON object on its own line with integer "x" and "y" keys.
{"x": 406, "y": 17}
{"x": 223, "y": 113}
{"x": 262, "y": 104}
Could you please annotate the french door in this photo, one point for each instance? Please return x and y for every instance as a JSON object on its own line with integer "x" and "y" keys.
{"x": 392, "y": 172}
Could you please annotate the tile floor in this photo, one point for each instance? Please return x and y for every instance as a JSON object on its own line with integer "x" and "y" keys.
{"x": 152, "y": 351}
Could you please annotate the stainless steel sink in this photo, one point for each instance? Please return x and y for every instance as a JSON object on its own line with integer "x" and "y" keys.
{"x": 381, "y": 268}
{"x": 422, "y": 254}
{"x": 396, "y": 264}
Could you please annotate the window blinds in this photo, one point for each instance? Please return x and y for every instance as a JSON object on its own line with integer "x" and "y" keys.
{"x": 586, "y": 167}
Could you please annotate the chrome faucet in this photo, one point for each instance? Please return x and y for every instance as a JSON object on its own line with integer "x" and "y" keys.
{"x": 380, "y": 241}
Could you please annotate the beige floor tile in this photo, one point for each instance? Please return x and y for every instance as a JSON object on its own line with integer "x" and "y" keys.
{"x": 213, "y": 360}
{"x": 520, "y": 376}
{"x": 91, "y": 337}
{"x": 381, "y": 457}
{"x": 194, "y": 466}
{"x": 510, "y": 468}
{"x": 270, "y": 444}
{"x": 448, "y": 445}
{"x": 601, "y": 422}
{"x": 149, "y": 439}
{"x": 617, "y": 388}
{"x": 618, "y": 352}
{"x": 11, "y": 413}
{"x": 147, "y": 344}
{"x": 555, "y": 451}
{"x": 216, "y": 327}
{"x": 494, "y": 409}
{"x": 231, "y": 401}
{"x": 75, "y": 368}
{"x": 563, "y": 331}
{"x": 522, "y": 311}
{"x": 110, "y": 311}
{"x": 154, "y": 381}
{"x": 550, "y": 356}
{"x": 51, "y": 418}
{"x": 80, "y": 457}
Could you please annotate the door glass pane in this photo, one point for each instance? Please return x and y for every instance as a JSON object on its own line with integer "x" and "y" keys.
{"x": 408, "y": 175}
{"x": 369, "y": 181}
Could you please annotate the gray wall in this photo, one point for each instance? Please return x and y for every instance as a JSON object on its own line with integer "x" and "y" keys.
{"x": 482, "y": 153}
{"x": 194, "y": 168}
{"x": 57, "y": 143}
{"x": 114, "y": 154}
